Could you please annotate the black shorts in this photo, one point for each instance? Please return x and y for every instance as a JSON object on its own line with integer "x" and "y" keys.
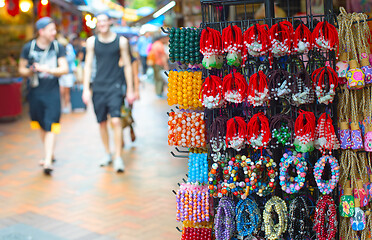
{"x": 45, "y": 108}
{"x": 107, "y": 103}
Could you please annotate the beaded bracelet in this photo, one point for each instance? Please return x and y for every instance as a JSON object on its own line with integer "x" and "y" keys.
{"x": 186, "y": 129}
{"x": 290, "y": 184}
{"x": 184, "y": 87}
{"x": 193, "y": 203}
{"x": 326, "y": 186}
{"x": 325, "y": 218}
{"x": 268, "y": 175}
{"x": 251, "y": 174}
{"x": 224, "y": 221}
{"x": 298, "y": 226}
{"x": 231, "y": 181}
{"x": 248, "y": 217}
{"x": 198, "y": 166}
{"x": 272, "y": 231}
{"x": 197, "y": 231}
{"x": 214, "y": 180}
{"x": 184, "y": 45}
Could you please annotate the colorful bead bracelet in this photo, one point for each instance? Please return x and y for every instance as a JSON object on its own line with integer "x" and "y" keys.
{"x": 292, "y": 184}
{"x": 326, "y": 186}
{"x": 325, "y": 218}
{"x": 248, "y": 217}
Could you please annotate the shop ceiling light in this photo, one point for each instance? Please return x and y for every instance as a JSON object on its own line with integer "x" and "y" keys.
{"x": 44, "y": 2}
{"x": 164, "y": 9}
{"x": 2, "y": 3}
{"x": 25, "y": 5}
{"x": 88, "y": 17}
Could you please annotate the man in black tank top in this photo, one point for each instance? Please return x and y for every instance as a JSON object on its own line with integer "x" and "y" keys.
{"x": 108, "y": 85}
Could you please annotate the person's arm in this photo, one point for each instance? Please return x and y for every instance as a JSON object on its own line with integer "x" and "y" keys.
{"x": 136, "y": 79}
{"x": 88, "y": 68}
{"x": 125, "y": 55}
{"x": 23, "y": 70}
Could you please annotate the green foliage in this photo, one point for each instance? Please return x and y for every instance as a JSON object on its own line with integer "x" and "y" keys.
{"x": 143, "y": 3}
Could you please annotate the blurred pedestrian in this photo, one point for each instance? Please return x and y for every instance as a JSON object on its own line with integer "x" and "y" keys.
{"x": 43, "y": 61}
{"x": 143, "y": 45}
{"x": 67, "y": 81}
{"x": 108, "y": 85}
{"x": 160, "y": 63}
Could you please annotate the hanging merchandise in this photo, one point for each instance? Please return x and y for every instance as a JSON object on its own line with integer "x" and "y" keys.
{"x": 305, "y": 132}
{"x": 280, "y": 83}
{"x": 358, "y": 221}
{"x": 302, "y": 41}
{"x": 198, "y": 166}
{"x": 224, "y": 221}
{"x": 236, "y": 133}
{"x": 282, "y": 130}
{"x": 217, "y": 137}
{"x": 325, "y": 80}
{"x": 196, "y": 231}
{"x": 281, "y": 37}
{"x": 302, "y": 89}
{"x": 232, "y": 40}
{"x": 211, "y": 48}
{"x": 234, "y": 87}
{"x": 258, "y": 131}
{"x": 355, "y": 76}
{"x": 325, "y": 137}
{"x": 341, "y": 68}
{"x": 298, "y": 219}
{"x": 184, "y": 87}
{"x": 325, "y": 37}
{"x": 184, "y": 45}
{"x": 274, "y": 231}
{"x": 326, "y": 186}
{"x": 211, "y": 92}
{"x": 288, "y": 185}
{"x": 248, "y": 218}
{"x": 258, "y": 92}
{"x": 325, "y": 219}
{"x": 347, "y": 206}
{"x": 256, "y": 41}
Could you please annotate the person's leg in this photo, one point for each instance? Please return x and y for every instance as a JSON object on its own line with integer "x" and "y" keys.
{"x": 49, "y": 144}
{"x": 62, "y": 92}
{"x": 158, "y": 81}
{"x": 68, "y": 98}
{"x": 118, "y": 135}
{"x": 104, "y": 136}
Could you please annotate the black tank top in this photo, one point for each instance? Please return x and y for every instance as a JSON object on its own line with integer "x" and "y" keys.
{"x": 109, "y": 76}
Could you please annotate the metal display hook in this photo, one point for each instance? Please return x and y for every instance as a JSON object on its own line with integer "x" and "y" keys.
{"x": 165, "y": 31}
{"x": 181, "y": 151}
{"x": 178, "y": 156}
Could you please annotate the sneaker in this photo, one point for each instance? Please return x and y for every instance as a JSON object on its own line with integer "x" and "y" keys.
{"x": 106, "y": 160}
{"x": 119, "y": 165}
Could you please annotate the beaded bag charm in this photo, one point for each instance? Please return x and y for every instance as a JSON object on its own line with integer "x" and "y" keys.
{"x": 211, "y": 48}
{"x": 234, "y": 87}
{"x": 305, "y": 131}
{"x": 235, "y": 133}
{"x": 211, "y": 92}
{"x": 325, "y": 136}
{"x": 302, "y": 90}
{"x": 258, "y": 92}
{"x": 280, "y": 82}
{"x": 302, "y": 41}
{"x": 258, "y": 131}
{"x": 325, "y": 37}
{"x": 256, "y": 41}
{"x": 281, "y": 37}
{"x": 325, "y": 80}
{"x": 232, "y": 39}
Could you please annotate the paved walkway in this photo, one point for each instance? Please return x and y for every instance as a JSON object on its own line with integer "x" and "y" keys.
{"x": 82, "y": 200}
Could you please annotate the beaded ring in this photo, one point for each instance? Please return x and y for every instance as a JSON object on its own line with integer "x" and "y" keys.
{"x": 326, "y": 186}
{"x": 272, "y": 231}
{"x": 248, "y": 218}
{"x": 224, "y": 220}
{"x": 325, "y": 211}
{"x": 289, "y": 184}
{"x": 266, "y": 180}
{"x": 298, "y": 226}
{"x": 282, "y": 130}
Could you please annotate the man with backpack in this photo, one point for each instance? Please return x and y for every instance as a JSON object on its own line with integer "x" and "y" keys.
{"x": 43, "y": 61}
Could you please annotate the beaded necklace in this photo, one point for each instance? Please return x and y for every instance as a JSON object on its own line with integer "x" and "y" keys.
{"x": 224, "y": 220}
{"x": 272, "y": 231}
{"x": 325, "y": 218}
{"x": 232, "y": 39}
{"x": 325, "y": 134}
{"x": 248, "y": 217}
{"x": 258, "y": 92}
{"x": 217, "y": 137}
{"x": 298, "y": 226}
